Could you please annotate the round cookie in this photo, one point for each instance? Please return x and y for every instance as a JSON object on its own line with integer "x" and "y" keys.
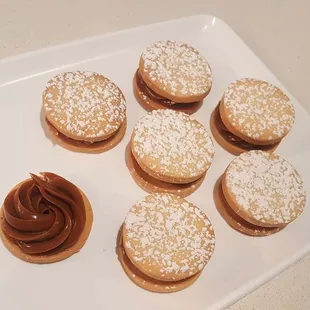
{"x": 175, "y": 71}
{"x": 167, "y": 238}
{"x": 83, "y": 147}
{"x": 11, "y": 245}
{"x": 230, "y": 142}
{"x": 148, "y": 283}
{"x": 152, "y": 185}
{"x": 257, "y": 111}
{"x": 150, "y": 101}
{"x": 172, "y": 147}
{"x": 234, "y": 220}
{"x": 84, "y": 106}
{"x": 264, "y": 189}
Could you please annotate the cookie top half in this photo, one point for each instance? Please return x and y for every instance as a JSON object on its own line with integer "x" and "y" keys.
{"x": 176, "y": 71}
{"x": 167, "y": 237}
{"x": 257, "y": 111}
{"x": 264, "y": 189}
{"x": 172, "y": 146}
{"x": 84, "y": 106}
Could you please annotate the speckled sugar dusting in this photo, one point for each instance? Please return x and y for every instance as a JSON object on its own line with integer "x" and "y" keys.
{"x": 266, "y": 186}
{"x": 172, "y": 143}
{"x": 258, "y": 109}
{"x": 84, "y": 104}
{"x": 168, "y": 236}
{"x": 180, "y": 68}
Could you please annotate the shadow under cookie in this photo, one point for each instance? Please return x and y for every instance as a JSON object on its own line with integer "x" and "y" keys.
{"x": 149, "y": 102}
{"x": 229, "y": 141}
{"x": 146, "y": 282}
{"x": 152, "y": 185}
{"x": 234, "y": 220}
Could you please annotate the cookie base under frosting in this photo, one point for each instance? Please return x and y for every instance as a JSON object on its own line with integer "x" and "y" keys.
{"x": 11, "y": 245}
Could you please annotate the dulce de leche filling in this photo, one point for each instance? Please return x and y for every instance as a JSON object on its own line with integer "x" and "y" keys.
{"x": 76, "y": 143}
{"x": 44, "y": 215}
{"x": 230, "y": 137}
{"x": 236, "y": 221}
{"x": 225, "y": 133}
{"x": 154, "y": 96}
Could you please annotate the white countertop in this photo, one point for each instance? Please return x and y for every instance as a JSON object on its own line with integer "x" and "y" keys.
{"x": 277, "y": 31}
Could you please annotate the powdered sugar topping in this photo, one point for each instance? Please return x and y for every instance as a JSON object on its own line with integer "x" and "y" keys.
{"x": 266, "y": 186}
{"x": 179, "y": 68}
{"x": 258, "y": 109}
{"x": 168, "y": 236}
{"x": 84, "y": 104}
{"x": 171, "y": 143}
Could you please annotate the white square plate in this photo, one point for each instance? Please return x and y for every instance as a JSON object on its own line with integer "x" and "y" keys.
{"x": 94, "y": 279}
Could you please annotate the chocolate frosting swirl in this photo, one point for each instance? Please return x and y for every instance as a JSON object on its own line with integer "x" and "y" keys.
{"x": 44, "y": 215}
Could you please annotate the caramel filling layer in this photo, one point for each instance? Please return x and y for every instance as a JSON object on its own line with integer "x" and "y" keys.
{"x": 152, "y": 184}
{"x": 236, "y": 221}
{"x": 76, "y": 143}
{"x": 149, "y": 92}
{"x": 233, "y": 139}
{"x": 147, "y": 282}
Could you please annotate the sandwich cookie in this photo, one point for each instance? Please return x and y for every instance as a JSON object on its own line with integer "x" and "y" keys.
{"x": 170, "y": 152}
{"x": 172, "y": 75}
{"x": 85, "y": 111}
{"x": 260, "y": 193}
{"x": 165, "y": 243}
{"x": 252, "y": 115}
{"x": 45, "y": 219}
